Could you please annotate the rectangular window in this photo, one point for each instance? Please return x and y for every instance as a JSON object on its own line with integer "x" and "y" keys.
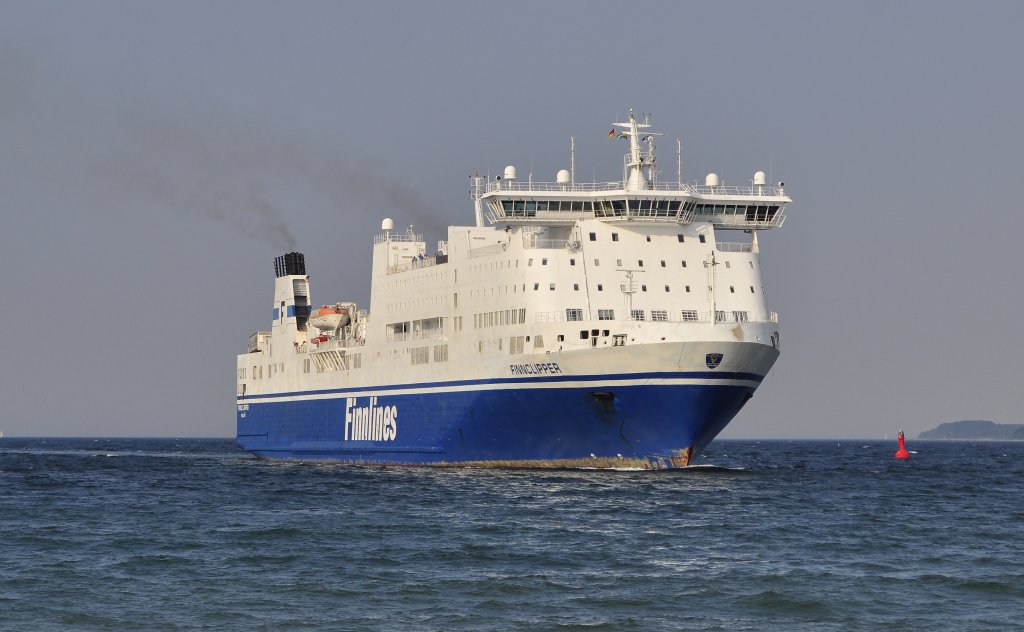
{"x": 441, "y": 353}
{"x": 687, "y": 288}
{"x": 663, "y": 263}
{"x": 659, "y": 315}
{"x": 680, "y": 238}
{"x": 719, "y": 317}
{"x": 576, "y": 286}
{"x": 573, "y": 313}
{"x": 597, "y": 262}
{"x": 536, "y": 286}
{"x": 544, "y": 261}
{"x": 752, "y": 289}
{"x": 420, "y": 355}
{"x": 648, "y": 238}
{"x": 606, "y": 314}
{"x": 732, "y": 289}
{"x": 593, "y": 236}
{"x": 690, "y": 315}
{"x": 684, "y": 264}
{"x": 637, "y": 314}
{"x": 572, "y": 262}
{"x": 552, "y": 287}
{"x": 615, "y": 236}
{"x": 640, "y": 263}
{"x": 740, "y": 317}
{"x": 701, "y": 238}
{"x": 667, "y": 289}
{"x": 600, "y": 287}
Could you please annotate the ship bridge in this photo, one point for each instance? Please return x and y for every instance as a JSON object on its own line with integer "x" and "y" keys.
{"x": 639, "y": 196}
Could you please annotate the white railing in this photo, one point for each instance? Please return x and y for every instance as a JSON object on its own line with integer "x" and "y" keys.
{"x": 733, "y": 246}
{"x": 381, "y": 238}
{"x": 429, "y": 334}
{"x": 740, "y": 220}
{"x": 333, "y": 344}
{"x": 675, "y": 187}
{"x": 489, "y": 249}
{"x": 414, "y": 264}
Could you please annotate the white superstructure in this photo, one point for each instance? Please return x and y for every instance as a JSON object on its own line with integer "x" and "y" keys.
{"x": 558, "y": 278}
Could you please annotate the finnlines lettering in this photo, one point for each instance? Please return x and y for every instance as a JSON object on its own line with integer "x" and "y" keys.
{"x": 370, "y": 423}
{"x": 541, "y": 368}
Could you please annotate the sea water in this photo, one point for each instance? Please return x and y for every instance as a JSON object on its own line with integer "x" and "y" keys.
{"x": 171, "y": 534}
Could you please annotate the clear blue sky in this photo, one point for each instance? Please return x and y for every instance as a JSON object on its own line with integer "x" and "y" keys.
{"x": 156, "y": 156}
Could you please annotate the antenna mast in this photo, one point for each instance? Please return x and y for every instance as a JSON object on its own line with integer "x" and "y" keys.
{"x": 572, "y": 161}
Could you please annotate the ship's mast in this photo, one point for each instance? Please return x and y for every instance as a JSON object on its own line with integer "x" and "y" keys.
{"x": 639, "y": 162}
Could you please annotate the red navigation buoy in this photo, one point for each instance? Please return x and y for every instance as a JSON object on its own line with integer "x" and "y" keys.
{"x": 902, "y": 452}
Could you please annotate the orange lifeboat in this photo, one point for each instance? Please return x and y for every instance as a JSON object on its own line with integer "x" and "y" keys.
{"x": 329, "y": 317}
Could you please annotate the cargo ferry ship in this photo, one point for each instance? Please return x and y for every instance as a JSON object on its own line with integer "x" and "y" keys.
{"x": 600, "y": 324}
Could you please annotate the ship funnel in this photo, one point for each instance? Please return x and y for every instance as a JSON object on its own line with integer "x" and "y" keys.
{"x": 289, "y": 264}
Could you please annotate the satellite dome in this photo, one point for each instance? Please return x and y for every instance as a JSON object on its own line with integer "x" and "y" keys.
{"x": 510, "y": 172}
{"x": 387, "y": 224}
{"x": 711, "y": 180}
{"x": 562, "y": 177}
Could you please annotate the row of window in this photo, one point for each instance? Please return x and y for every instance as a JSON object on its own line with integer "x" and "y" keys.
{"x": 639, "y": 263}
{"x": 647, "y": 207}
{"x": 499, "y": 318}
{"x": 750, "y": 212}
{"x": 643, "y": 287}
{"x": 657, "y": 315}
{"x": 681, "y": 238}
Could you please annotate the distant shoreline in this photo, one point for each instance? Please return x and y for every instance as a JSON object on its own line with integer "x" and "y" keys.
{"x": 974, "y": 430}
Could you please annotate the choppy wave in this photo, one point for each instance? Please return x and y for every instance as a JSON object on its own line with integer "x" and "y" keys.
{"x": 171, "y": 534}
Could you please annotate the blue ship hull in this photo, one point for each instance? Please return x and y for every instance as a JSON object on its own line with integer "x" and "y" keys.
{"x": 657, "y": 419}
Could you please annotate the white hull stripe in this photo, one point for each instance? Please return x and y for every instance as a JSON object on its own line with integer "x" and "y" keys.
{"x": 595, "y": 384}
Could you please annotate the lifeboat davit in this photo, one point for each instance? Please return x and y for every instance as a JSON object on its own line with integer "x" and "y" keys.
{"x": 329, "y": 317}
